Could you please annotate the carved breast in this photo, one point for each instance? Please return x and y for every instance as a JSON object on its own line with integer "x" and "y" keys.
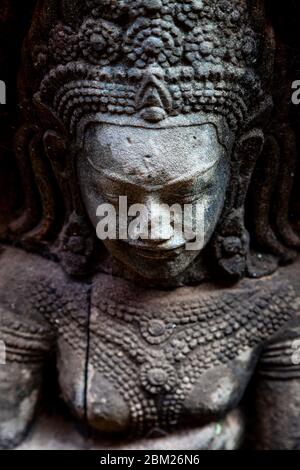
{"x": 158, "y": 359}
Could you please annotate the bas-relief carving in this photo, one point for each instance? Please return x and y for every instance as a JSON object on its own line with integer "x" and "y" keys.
{"x": 168, "y": 101}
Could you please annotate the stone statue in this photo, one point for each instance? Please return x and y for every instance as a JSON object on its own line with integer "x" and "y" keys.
{"x": 169, "y": 101}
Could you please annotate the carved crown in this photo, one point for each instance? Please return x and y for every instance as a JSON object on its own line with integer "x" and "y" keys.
{"x": 151, "y": 59}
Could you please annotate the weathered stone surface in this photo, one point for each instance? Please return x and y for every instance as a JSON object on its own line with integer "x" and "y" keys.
{"x": 169, "y": 102}
{"x": 57, "y": 433}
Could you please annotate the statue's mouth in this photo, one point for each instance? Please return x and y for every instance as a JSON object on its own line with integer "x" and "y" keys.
{"x": 158, "y": 251}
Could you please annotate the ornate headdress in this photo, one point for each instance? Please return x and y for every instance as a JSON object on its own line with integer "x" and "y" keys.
{"x": 151, "y": 60}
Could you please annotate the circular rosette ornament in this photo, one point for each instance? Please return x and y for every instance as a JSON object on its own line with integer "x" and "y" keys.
{"x": 228, "y": 13}
{"x": 153, "y": 42}
{"x": 100, "y": 41}
{"x": 108, "y": 9}
{"x": 188, "y": 12}
{"x": 158, "y": 377}
{"x": 156, "y": 331}
{"x": 63, "y": 44}
{"x": 202, "y": 43}
{"x": 241, "y": 47}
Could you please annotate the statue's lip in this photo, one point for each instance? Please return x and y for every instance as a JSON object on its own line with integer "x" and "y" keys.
{"x": 158, "y": 251}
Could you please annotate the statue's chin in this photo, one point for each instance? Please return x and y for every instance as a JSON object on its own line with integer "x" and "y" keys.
{"x": 160, "y": 272}
{"x": 155, "y": 268}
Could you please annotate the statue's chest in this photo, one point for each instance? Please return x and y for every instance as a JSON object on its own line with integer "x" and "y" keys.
{"x": 156, "y": 361}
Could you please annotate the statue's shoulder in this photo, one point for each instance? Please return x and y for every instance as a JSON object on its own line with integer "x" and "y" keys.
{"x": 32, "y": 285}
{"x": 19, "y": 267}
{"x": 290, "y": 274}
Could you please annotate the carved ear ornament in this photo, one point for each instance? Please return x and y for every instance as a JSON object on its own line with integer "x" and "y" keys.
{"x": 232, "y": 239}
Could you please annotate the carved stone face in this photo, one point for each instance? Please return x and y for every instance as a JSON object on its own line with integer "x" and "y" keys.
{"x": 185, "y": 165}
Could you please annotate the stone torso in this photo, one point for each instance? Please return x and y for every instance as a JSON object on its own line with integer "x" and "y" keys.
{"x": 139, "y": 361}
{"x": 175, "y": 358}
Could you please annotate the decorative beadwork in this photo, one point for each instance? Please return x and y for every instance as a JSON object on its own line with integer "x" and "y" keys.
{"x": 204, "y": 52}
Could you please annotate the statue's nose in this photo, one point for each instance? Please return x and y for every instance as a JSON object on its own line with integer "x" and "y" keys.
{"x": 157, "y": 226}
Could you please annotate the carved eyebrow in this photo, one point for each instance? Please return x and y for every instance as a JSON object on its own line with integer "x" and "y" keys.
{"x": 179, "y": 181}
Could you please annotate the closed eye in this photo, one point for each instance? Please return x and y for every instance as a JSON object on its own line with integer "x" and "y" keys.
{"x": 177, "y": 198}
{"x": 112, "y": 198}
{"x": 184, "y": 196}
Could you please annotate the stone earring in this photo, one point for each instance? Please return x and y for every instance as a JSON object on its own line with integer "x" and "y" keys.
{"x": 76, "y": 240}
{"x": 231, "y": 243}
{"x": 76, "y": 245}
